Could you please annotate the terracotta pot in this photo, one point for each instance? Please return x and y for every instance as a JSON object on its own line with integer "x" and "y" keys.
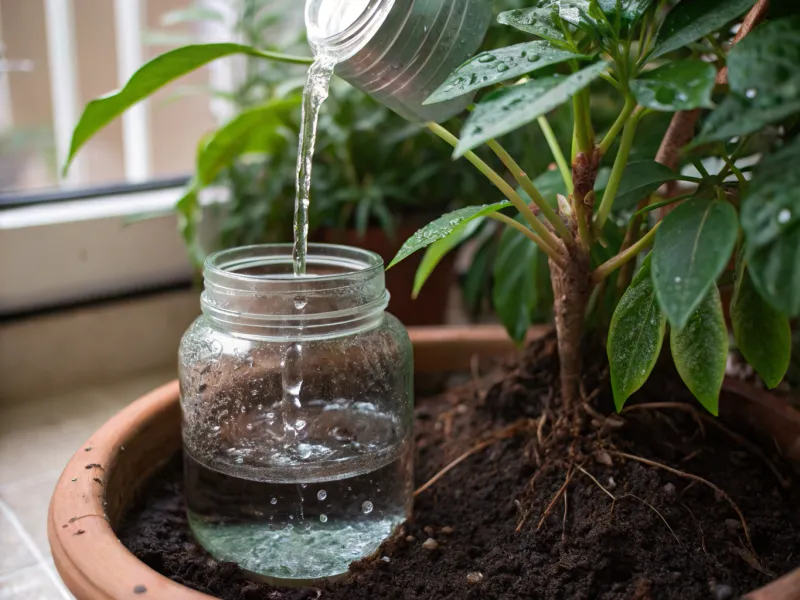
{"x": 130, "y": 447}
{"x": 431, "y": 305}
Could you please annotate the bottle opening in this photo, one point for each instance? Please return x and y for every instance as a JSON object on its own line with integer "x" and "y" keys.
{"x": 340, "y": 28}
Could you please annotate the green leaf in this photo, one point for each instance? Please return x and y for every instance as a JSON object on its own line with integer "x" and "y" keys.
{"x": 439, "y": 249}
{"x": 642, "y": 178}
{"x": 739, "y": 115}
{"x": 520, "y": 276}
{"x": 771, "y": 222}
{"x": 681, "y": 85}
{"x": 478, "y": 277}
{"x": 189, "y": 212}
{"x": 764, "y": 78}
{"x": 510, "y": 108}
{"x": 625, "y": 12}
{"x": 495, "y": 66}
{"x": 153, "y": 76}
{"x": 253, "y": 130}
{"x": 635, "y": 336}
{"x": 442, "y": 227}
{"x": 537, "y": 20}
{"x": 700, "y": 351}
{"x": 692, "y": 248}
{"x": 694, "y": 19}
{"x": 763, "y": 334}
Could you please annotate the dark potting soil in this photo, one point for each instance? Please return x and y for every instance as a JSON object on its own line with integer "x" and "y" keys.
{"x": 504, "y": 525}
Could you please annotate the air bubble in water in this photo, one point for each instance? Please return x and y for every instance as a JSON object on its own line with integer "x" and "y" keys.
{"x": 366, "y": 508}
{"x": 322, "y": 494}
{"x": 323, "y": 518}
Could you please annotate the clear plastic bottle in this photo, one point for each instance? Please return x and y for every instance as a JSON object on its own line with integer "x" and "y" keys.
{"x": 297, "y": 412}
{"x": 399, "y": 51}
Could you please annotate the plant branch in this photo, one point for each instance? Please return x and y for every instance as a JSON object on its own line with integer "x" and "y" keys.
{"x": 615, "y": 263}
{"x": 615, "y": 179}
{"x": 526, "y": 184}
{"x": 581, "y": 142}
{"x": 558, "y": 155}
{"x": 548, "y": 238}
{"x": 627, "y": 110}
{"x": 506, "y": 220}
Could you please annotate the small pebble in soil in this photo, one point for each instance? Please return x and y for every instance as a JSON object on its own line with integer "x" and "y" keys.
{"x": 430, "y": 544}
{"x": 139, "y": 589}
{"x": 411, "y": 539}
{"x": 723, "y": 592}
{"x": 669, "y": 489}
{"x": 428, "y": 530}
{"x": 611, "y": 483}
{"x": 447, "y": 530}
{"x": 474, "y": 578}
{"x": 604, "y": 458}
{"x": 386, "y": 559}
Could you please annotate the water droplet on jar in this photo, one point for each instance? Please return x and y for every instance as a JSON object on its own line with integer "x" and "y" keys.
{"x": 367, "y": 507}
{"x": 273, "y": 501}
{"x": 239, "y": 460}
{"x": 299, "y": 424}
{"x": 249, "y": 427}
{"x": 784, "y": 216}
{"x": 323, "y": 518}
{"x": 487, "y": 58}
{"x": 300, "y": 302}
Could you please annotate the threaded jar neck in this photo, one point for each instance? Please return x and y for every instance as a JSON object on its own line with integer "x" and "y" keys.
{"x": 253, "y": 291}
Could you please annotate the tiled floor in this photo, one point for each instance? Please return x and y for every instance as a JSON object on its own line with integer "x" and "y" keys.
{"x": 37, "y": 438}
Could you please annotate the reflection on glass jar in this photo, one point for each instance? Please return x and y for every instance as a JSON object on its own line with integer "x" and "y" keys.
{"x": 297, "y": 412}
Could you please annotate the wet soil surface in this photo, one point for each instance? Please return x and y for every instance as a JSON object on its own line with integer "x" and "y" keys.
{"x": 502, "y": 524}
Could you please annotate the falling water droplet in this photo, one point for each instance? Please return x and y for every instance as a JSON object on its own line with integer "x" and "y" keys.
{"x": 322, "y": 494}
{"x": 366, "y": 508}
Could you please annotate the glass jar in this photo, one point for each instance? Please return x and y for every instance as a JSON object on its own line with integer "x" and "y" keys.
{"x": 400, "y": 51}
{"x": 297, "y": 398}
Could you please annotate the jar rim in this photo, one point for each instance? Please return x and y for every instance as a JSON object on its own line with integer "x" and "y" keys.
{"x": 220, "y": 264}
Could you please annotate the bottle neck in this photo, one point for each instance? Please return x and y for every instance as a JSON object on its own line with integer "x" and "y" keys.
{"x": 252, "y": 291}
{"x": 340, "y": 28}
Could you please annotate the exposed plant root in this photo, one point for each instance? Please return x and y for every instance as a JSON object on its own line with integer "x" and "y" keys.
{"x": 702, "y": 419}
{"x": 503, "y": 434}
{"x": 564, "y": 520}
{"x": 597, "y": 483}
{"x": 540, "y": 429}
{"x": 698, "y": 479}
{"x": 700, "y": 527}
{"x": 555, "y": 498}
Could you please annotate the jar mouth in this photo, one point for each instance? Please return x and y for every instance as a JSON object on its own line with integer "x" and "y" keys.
{"x": 255, "y": 287}
{"x": 271, "y": 264}
{"x": 346, "y": 40}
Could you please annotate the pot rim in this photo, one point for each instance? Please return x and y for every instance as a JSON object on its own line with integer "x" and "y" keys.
{"x": 96, "y": 566}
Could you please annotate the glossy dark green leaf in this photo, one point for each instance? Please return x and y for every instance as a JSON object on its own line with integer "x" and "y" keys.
{"x": 635, "y": 336}
{"x": 520, "y": 269}
{"x": 737, "y": 116}
{"x": 537, "y": 20}
{"x": 441, "y": 248}
{"x": 510, "y": 108}
{"x": 764, "y": 79}
{"x": 495, "y": 66}
{"x": 682, "y": 85}
{"x": 444, "y": 226}
{"x": 700, "y": 351}
{"x": 477, "y": 283}
{"x": 625, "y": 12}
{"x": 694, "y": 19}
{"x": 252, "y": 130}
{"x": 641, "y": 178}
{"x": 153, "y": 76}
{"x": 763, "y": 334}
{"x": 692, "y": 248}
{"x": 771, "y": 220}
